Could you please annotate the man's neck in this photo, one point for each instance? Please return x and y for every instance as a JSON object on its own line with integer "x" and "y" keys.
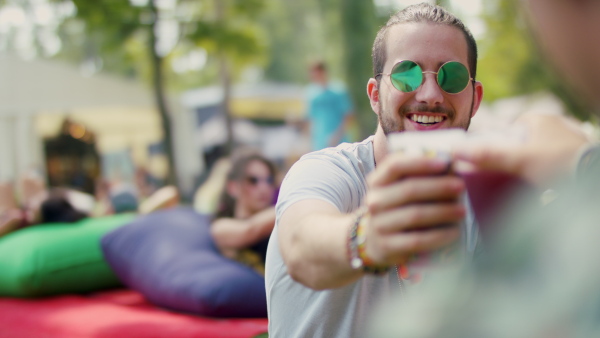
{"x": 380, "y": 146}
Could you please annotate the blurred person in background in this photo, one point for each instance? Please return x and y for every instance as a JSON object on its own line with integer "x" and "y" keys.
{"x": 40, "y": 204}
{"x": 539, "y": 277}
{"x": 246, "y": 215}
{"x": 329, "y": 109}
{"x": 348, "y": 216}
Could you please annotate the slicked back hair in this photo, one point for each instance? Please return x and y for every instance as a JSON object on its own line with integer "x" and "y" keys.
{"x": 422, "y": 13}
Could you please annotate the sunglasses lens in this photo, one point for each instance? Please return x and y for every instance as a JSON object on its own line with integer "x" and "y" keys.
{"x": 253, "y": 180}
{"x": 407, "y": 76}
{"x": 453, "y": 77}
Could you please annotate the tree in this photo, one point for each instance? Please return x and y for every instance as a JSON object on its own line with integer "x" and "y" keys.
{"x": 359, "y": 26}
{"x": 112, "y": 23}
{"x": 233, "y": 37}
{"x": 339, "y": 32}
{"x": 510, "y": 64}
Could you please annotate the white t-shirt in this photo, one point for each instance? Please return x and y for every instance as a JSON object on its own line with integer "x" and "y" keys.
{"x": 337, "y": 176}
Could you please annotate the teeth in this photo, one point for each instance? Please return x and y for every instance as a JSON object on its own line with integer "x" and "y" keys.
{"x": 426, "y": 119}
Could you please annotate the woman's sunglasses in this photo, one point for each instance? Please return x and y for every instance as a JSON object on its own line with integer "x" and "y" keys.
{"x": 253, "y": 180}
{"x": 406, "y": 76}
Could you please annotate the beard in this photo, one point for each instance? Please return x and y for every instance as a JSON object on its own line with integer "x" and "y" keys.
{"x": 391, "y": 125}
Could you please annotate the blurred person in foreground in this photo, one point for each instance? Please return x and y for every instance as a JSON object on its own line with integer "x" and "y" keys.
{"x": 347, "y": 216}
{"x": 246, "y": 215}
{"x": 329, "y": 109}
{"x": 540, "y": 276}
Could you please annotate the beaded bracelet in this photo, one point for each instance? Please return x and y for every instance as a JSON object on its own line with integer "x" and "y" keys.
{"x": 356, "y": 246}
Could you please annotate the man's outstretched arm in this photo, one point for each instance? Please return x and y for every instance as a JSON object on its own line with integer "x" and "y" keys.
{"x": 313, "y": 234}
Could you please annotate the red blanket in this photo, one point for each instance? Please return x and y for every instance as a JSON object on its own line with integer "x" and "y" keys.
{"x": 116, "y": 313}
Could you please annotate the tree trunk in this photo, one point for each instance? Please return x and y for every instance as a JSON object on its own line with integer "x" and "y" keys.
{"x": 159, "y": 95}
{"x": 225, "y": 77}
{"x": 359, "y": 26}
{"x": 226, "y": 86}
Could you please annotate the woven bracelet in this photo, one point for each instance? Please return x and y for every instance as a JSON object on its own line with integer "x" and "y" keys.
{"x": 356, "y": 246}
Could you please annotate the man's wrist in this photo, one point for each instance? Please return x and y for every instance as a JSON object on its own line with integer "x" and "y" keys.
{"x": 359, "y": 260}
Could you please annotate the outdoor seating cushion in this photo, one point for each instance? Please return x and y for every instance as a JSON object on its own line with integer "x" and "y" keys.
{"x": 169, "y": 256}
{"x": 57, "y": 258}
{"x": 113, "y": 313}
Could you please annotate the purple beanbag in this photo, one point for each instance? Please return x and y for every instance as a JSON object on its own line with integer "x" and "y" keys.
{"x": 170, "y": 257}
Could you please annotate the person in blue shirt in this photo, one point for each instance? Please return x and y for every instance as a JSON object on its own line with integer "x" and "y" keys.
{"x": 329, "y": 109}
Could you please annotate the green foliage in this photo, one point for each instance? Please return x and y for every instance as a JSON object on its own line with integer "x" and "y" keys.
{"x": 510, "y": 64}
{"x": 247, "y": 8}
{"x": 118, "y": 33}
{"x": 299, "y": 33}
{"x": 339, "y": 32}
{"x": 241, "y": 44}
{"x": 359, "y": 23}
{"x": 288, "y": 40}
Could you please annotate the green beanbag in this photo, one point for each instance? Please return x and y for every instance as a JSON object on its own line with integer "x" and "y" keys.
{"x": 58, "y": 258}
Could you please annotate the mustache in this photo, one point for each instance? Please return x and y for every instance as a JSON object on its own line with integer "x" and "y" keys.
{"x": 405, "y": 110}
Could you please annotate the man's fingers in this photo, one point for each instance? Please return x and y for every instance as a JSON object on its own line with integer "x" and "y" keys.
{"x": 417, "y": 216}
{"x": 396, "y": 248}
{"x": 397, "y": 165}
{"x": 413, "y": 190}
{"x": 495, "y": 158}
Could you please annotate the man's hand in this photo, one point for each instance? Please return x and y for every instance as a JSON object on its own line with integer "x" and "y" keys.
{"x": 413, "y": 207}
{"x": 552, "y": 147}
{"x": 408, "y": 200}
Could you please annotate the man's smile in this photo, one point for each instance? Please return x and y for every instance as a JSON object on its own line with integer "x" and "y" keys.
{"x": 425, "y": 121}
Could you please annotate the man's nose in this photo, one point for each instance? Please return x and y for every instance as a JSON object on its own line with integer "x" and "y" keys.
{"x": 429, "y": 92}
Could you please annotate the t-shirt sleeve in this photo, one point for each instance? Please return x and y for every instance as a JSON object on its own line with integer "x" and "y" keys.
{"x": 316, "y": 178}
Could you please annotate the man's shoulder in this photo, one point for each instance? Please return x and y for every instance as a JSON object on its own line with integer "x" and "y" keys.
{"x": 348, "y": 157}
{"x": 362, "y": 150}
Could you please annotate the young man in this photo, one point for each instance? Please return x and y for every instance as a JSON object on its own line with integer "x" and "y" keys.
{"x": 541, "y": 277}
{"x": 329, "y": 109}
{"x": 320, "y": 281}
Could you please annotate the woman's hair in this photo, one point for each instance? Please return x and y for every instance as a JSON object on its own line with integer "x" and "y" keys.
{"x": 58, "y": 209}
{"x": 239, "y": 163}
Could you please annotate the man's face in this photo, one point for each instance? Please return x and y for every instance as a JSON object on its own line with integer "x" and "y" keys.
{"x": 318, "y": 75}
{"x": 568, "y": 31}
{"x": 430, "y": 46}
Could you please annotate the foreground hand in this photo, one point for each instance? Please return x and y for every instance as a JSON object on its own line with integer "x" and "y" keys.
{"x": 551, "y": 149}
{"x": 413, "y": 207}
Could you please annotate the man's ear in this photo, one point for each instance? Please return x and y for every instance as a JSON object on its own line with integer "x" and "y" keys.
{"x": 373, "y": 93}
{"x": 477, "y": 97}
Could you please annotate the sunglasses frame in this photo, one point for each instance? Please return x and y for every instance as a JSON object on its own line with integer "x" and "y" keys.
{"x": 472, "y": 80}
{"x": 254, "y": 181}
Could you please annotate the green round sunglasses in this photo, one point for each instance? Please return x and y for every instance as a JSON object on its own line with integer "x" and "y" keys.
{"x": 406, "y": 76}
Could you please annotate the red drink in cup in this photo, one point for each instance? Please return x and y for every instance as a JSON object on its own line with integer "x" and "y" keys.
{"x": 490, "y": 193}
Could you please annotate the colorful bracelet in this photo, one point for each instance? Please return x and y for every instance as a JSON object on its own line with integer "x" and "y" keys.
{"x": 356, "y": 246}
